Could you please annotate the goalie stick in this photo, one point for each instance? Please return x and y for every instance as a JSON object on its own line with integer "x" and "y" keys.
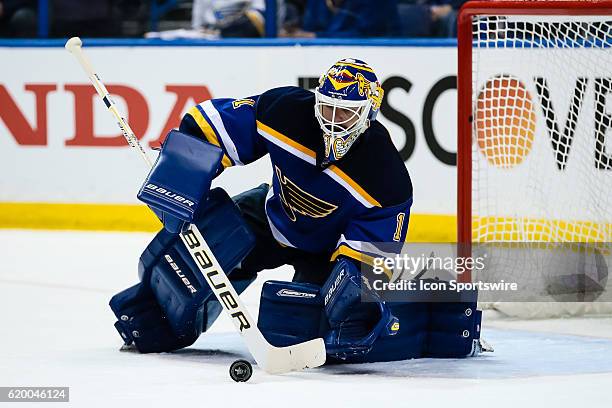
{"x": 274, "y": 360}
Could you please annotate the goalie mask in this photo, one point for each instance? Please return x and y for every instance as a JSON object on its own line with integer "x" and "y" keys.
{"x": 346, "y": 101}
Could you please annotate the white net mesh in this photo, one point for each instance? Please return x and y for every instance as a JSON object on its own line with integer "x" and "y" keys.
{"x": 542, "y": 145}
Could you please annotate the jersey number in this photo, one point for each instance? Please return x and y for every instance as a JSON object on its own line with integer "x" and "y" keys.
{"x": 398, "y": 227}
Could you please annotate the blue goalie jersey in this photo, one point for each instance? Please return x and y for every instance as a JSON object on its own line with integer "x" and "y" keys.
{"x": 313, "y": 205}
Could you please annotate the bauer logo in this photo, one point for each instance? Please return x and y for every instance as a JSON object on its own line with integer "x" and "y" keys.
{"x": 294, "y": 293}
{"x": 180, "y": 274}
{"x": 331, "y": 290}
{"x": 164, "y": 193}
{"x": 219, "y": 283}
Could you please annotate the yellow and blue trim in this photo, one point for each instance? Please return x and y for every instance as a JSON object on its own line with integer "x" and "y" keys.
{"x": 287, "y": 144}
{"x": 200, "y": 117}
{"x": 213, "y": 117}
{"x": 351, "y": 186}
{"x": 345, "y": 250}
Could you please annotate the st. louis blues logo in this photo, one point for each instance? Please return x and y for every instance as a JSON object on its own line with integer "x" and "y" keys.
{"x": 296, "y": 200}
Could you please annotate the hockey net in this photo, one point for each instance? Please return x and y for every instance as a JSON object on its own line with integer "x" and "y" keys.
{"x": 535, "y": 147}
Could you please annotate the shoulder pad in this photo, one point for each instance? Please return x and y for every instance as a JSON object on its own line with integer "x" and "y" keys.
{"x": 290, "y": 111}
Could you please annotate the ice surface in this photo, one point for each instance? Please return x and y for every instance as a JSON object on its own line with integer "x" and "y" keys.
{"x": 56, "y": 330}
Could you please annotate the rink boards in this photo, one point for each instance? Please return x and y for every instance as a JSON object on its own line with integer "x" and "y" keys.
{"x": 66, "y": 166}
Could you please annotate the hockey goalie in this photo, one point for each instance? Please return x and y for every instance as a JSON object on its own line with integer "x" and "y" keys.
{"x": 337, "y": 182}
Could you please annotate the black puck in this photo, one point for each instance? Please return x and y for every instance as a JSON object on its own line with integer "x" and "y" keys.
{"x": 241, "y": 370}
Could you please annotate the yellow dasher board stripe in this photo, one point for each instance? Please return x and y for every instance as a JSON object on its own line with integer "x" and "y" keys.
{"x": 208, "y": 131}
{"x": 88, "y": 217}
{"x": 139, "y": 218}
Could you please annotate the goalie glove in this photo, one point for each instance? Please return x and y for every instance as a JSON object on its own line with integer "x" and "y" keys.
{"x": 356, "y": 318}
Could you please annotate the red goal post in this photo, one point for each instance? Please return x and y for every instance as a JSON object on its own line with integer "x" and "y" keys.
{"x": 465, "y": 89}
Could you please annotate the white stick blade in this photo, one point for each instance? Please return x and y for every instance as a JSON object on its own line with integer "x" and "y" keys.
{"x": 309, "y": 354}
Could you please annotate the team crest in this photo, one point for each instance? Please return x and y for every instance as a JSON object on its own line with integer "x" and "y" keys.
{"x": 296, "y": 200}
